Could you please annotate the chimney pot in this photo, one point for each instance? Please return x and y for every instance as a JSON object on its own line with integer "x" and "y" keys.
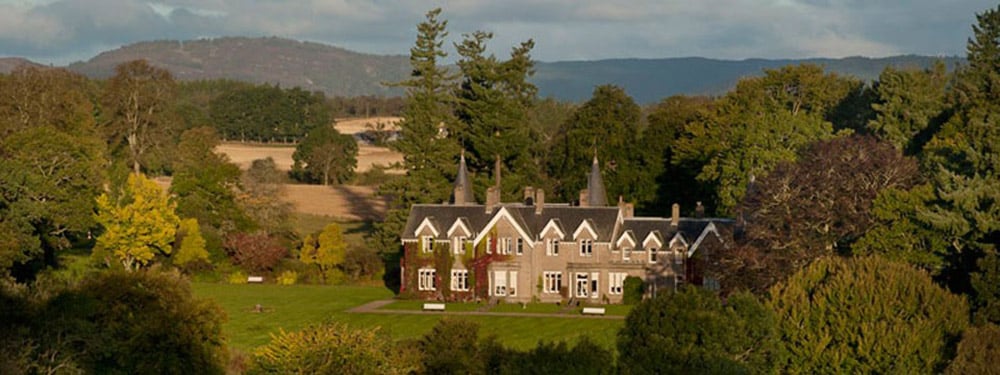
{"x": 584, "y": 194}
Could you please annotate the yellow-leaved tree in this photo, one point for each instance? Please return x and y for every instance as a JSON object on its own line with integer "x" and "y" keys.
{"x": 328, "y": 253}
{"x": 139, "y": 222}
{"x": 192, "y": 248}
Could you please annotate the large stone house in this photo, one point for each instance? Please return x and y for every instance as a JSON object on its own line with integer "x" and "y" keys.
{"x": 533, "y": 250}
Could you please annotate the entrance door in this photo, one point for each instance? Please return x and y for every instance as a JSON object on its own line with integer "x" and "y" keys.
{"x": 582, "y": 285}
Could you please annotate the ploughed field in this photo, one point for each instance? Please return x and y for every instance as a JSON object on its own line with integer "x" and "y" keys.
{"x": 297, "y": 306}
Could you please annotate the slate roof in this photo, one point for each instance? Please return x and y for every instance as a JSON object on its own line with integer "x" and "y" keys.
{"x": 442, "y": 216}
{"x": 689, "y": 228}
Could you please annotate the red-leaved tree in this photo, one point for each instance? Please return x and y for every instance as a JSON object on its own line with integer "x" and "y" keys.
{"x": 257, "y": 252}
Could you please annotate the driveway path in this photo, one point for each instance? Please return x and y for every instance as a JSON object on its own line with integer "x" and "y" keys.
{"x": 374, "y": 307}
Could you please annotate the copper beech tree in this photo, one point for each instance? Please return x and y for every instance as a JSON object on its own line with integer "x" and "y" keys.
{"x": 814, "y": 207}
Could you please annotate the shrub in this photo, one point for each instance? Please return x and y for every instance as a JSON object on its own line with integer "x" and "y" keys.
{"x": 288, "y": 278}
{"x": 237, "y": 277}
{"x": 865, "y": 315}
{"x": 691, "y": 332}
{"x": 329, "y": 349}
{"x": 978, "y": 352}
{"x": 633, "y": 288}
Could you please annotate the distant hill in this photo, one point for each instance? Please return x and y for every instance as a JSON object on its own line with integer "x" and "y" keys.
{"x": 649, "y": 80}
{"x": 337, "y": 71}
{"x": 8, "y": 64}
{"x": 290, "y": 63}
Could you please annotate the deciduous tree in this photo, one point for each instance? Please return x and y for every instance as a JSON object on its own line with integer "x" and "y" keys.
{"x": 192, "y": 248}
{"x": 817, "y": 206}
{"x": 329, "y": 251}
{"x": 325, "y": 156}
{"x": 139, "y": 222}
{"x": 136, "y": 100}
{"x": 330, "y": 349}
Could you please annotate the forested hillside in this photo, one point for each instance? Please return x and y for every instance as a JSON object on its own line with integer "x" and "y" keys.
{"x": 339, "y": 72}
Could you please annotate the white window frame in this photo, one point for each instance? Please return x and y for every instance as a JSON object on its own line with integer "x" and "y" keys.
{"x": 512, "y": 283}
{"x": 586, "y": 248}
{"x": 552, "y": 247}
{"x": 427, "y": 279}
{"x": 520, "y": 246}
{"x": 616, "y": 282}
{"x": 459, "y": 244}
{"x": 552, "y": 282}
{"x": 626, "y": 253}
{"x": 427, "y": 244}
{"x": 499, "y": 288}
{"x": 489, "y": 245}
{"x": 678, "y": 256}
{"x": 460, "y": 280}
{"x": 505, "y": 246}
{"x": 595, "y": 284}
{"x": 653, "y": 255}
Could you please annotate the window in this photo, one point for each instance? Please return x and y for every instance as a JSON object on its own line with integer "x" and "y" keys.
{"x": 552, "y": 247}
{"x": 586, "y": 248}
{"x": 512, "y": 283}
{"x": 678, "y": 256}
{"x": 458, "y": 245}
{"x": 553, "y": 282}
{"x": 427, "y": 244}
{"x": 505, "y": 246}
{"x": 499, "y": 283}
{"x": 626, "y": 253}
{"x": 652, "y": 255}
{"x": 615, "y": 282}
{"x": 582, "y": 287}
{"x": 427, "y": 279}
{"x": 489, "y": 245}
{"x": 594, "y": 276}
{"x": 460, "y": 280}
{"x": 520, "y": 246}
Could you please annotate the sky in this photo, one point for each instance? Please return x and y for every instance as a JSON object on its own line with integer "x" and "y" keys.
{"x": 62, "y": 31}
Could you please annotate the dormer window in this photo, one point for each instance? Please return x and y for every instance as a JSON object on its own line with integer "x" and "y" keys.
{"x": 652, "y": 255}
{"x": 586, "y": 248}
{"x": 552, "y": 247}
{"x": 459, "y": 245}
{"x": 427, "y": 244}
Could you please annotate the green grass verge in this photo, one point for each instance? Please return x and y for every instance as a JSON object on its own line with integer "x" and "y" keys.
{"x": 294, "y": 307}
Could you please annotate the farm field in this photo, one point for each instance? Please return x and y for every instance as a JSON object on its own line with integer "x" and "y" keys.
{"x": 294, "y": 307}
{"x": 242, "y": 154}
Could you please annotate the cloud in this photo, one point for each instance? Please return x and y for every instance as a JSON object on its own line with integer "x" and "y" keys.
{"x": 56, "y": 31}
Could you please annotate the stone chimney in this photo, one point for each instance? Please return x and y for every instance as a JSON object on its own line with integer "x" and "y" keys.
{"x": 584, "y": 198}
{"x": 699, "y": 210}
{"x": 492, "y": 198}
{"x": 529, "y": 195}
{"x": 629, "y": 211}
{"x": 675, "y": 215}
{"x": 539, "y": 201}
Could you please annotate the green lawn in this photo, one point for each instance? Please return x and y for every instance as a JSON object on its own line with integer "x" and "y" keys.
{"x": 293, "y": 307}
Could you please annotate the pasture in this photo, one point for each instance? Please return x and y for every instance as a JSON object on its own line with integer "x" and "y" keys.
{"x": 294, "y": 307}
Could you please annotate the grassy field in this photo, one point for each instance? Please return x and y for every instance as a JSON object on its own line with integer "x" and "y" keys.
{"x": 294, "y": 307}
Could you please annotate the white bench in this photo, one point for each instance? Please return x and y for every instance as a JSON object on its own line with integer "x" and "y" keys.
{"x": 433, "y": 307}
{"x": 255, "y": 279}
{"x": 593, "y": 311}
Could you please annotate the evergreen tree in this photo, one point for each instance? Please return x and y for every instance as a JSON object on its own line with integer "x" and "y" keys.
{"x": 606, "y": 126}
{"x": 909, "y": 105}
{"x": 493, "y": 100}
{"x": 864, "y": 315}
{"x": 964, "y": 159}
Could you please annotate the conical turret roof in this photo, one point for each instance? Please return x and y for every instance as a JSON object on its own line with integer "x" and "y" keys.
{"x": 597, "y": 196}
{"x": 462, "y": 180}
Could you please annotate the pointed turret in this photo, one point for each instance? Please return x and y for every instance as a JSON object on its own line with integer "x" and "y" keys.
{"x": 596, "y": 195}
{"x": 463, "y": 188}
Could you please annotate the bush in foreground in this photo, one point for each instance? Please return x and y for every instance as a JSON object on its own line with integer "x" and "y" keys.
{"x": 329, "y": 349}
{"x": 865, "y": 315}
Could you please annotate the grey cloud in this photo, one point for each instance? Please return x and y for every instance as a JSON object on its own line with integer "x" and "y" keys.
{"x": 562, "y": 29}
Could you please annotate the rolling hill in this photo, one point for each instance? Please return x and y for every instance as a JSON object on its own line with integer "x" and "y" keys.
{"x": 337, "y": 71}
